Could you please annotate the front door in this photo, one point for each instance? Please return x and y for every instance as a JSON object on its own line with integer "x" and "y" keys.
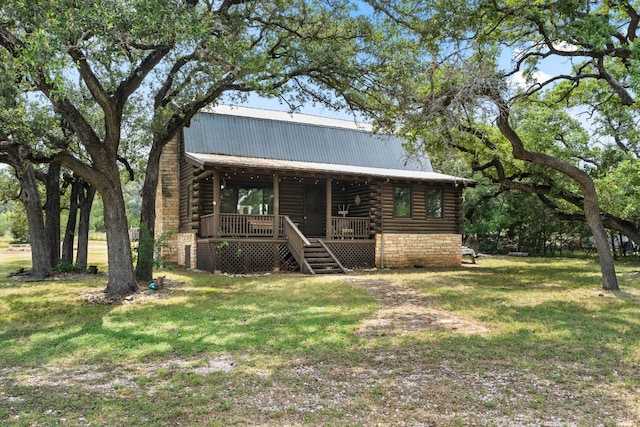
{"x": 314, "y": 210}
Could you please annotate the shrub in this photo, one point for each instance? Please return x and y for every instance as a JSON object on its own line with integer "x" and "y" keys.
{"x": 18, "y": 226}
{"x": 67, "y": 267}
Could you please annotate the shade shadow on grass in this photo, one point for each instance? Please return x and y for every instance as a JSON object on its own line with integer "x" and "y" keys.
{"x": 266, "y": 316}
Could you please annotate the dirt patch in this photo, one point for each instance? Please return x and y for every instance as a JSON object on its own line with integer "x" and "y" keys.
{"x": 93, "y": 378}
{"x": 405, "y": 311}
{"x": 144, "y": 293}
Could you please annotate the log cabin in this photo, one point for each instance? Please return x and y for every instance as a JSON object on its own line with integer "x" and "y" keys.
{"x": 243, "y": 190}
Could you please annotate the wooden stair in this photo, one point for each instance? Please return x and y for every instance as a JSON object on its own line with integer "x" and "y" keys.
{"x": 318, "y": 259}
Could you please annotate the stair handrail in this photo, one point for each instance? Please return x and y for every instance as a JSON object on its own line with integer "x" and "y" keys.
{"x": 332, "y": 255}
{"x": 296, "y": 241}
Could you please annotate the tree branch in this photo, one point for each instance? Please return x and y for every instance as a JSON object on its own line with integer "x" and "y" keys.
{"x": 128, "y": 167}
{"x": 137, "y": 76}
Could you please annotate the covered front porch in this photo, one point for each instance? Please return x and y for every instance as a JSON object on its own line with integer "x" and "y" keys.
{"x": 246, "y": 221}
{"x": 237, "y": 204}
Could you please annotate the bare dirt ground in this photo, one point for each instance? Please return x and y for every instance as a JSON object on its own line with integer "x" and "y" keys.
{"x": 404, "y": 311}
{"x": 384, "y": 385}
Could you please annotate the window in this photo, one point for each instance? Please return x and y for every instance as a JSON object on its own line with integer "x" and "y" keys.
{"x": 434, "y": 203}
{"x": 402, "y": 202}
{"x": 248, "y": 201}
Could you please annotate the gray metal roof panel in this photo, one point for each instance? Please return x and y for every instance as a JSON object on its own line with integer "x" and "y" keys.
{"x": 296, "y": 141}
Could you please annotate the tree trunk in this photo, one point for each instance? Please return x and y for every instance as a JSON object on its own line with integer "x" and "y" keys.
{"x": 591, "y": 207}
{"x": 146, "y": 242}
{"x": 614, "y": 252}
{"x": 592, "y": 214}
{"x": 70, "y": 231}
{"x": 104, "y": 177}
{"x": 40, "y": 252}
{"x": 144, "y": 267}
{"x": 52, "y": 212}
{"x": 86, "y": 194}
{"x": 121, "y": 273}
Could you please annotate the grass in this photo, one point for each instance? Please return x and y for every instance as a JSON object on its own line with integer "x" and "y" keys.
{"x": 218, "y": 350}
{"x": 548, "y": 307}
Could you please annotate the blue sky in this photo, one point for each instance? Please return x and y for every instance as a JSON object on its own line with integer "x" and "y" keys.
{"x": 256, "y": 101}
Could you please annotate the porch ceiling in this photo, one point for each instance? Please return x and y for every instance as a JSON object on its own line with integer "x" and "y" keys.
{"x": 217, "y": 160}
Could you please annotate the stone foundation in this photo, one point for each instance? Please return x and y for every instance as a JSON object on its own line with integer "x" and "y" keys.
{"x": 175, "y": 250}
{"x": 184, "y": 240}
{"x": 411, "y": 250}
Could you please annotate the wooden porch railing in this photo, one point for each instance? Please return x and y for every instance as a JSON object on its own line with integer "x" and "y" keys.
{"x": 349, "y": 228}
{"x": 239, "y": 225}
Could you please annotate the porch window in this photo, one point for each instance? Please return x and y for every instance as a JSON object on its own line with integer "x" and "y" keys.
{"x": 434, "y": 203}
{"x": 402, "y": 202}
{"x": 247, "y": 200}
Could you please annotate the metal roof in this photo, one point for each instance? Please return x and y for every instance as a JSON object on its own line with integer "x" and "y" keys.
{"x": 251, "y": 138}
{"x": 298, "y": 139}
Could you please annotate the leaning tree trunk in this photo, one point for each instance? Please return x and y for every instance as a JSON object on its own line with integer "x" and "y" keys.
{"x": 592, "y": 214}
{"x": 591, "y": 207}
{"x": 144, "y": 267}
{"x": 86, "y": 193}
{"x": 40, "y": 260}
{"x": 70, "y": 230}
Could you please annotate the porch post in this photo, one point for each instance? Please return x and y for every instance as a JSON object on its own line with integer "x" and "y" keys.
{"x": 276, "y": 220}
{"x": 276, "y": 205}
{"x": 216, "y": 202}
{"x": 328, "y": 221}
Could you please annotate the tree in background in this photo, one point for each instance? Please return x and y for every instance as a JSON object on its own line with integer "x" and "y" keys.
{"x": 20, "y": 133}
{"x": 18, "y": 225}
{"x": 17, "y": 156}
{"x": 514, "y": 221}
{"x": 81, "y": 196}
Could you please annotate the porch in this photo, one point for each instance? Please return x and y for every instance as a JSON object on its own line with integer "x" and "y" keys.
{"x": 248, "y": 243}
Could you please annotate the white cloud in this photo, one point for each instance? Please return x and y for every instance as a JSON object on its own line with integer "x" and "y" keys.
{"x": 564, "y": 46}
{"x": 519, "y": 80}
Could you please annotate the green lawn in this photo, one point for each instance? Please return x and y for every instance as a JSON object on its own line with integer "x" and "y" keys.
{"x": 286, "y": 349}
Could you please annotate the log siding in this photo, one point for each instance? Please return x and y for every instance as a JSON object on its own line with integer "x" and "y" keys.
{"x": 419, "y": 222}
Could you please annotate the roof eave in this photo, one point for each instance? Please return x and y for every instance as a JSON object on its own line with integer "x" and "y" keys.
{"x": 203, "y": 160}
